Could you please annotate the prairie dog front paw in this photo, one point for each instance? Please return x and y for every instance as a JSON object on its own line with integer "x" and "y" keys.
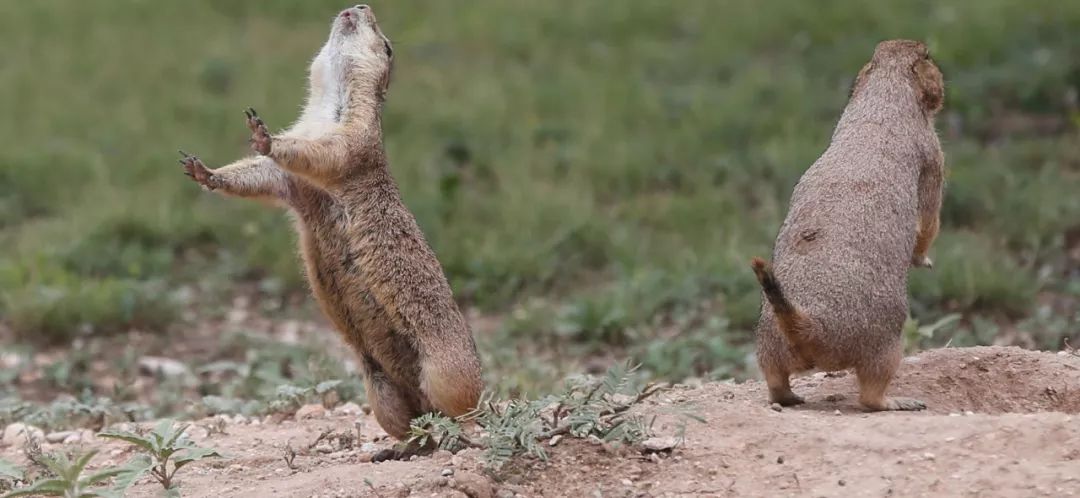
{"x": 196, "y": 170}
{"x": 260, "y": 136}
{"x": 922, "y": 262}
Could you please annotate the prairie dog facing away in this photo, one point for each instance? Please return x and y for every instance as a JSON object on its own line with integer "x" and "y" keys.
{"x": 863, "y": 214}
{"x": 367, "y": 262}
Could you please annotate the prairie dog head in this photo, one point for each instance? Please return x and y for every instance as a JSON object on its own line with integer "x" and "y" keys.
{"x": 899, "y": 62}
{"x": 356, "y": 53}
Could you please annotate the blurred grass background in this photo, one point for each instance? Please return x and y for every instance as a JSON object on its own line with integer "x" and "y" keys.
{"x": 594, "y": 176}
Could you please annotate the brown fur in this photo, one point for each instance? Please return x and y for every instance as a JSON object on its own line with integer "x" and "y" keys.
{"x": 367, "y": 261}
{"x": 860, "y": 217}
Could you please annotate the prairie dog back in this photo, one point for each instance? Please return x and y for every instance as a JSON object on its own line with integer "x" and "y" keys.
{"x": 835, "y": 294}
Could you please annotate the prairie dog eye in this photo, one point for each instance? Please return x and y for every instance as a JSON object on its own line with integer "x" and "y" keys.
{"x": 389, "y": 49}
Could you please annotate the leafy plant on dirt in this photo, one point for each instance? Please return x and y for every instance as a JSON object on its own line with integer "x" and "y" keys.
{"x": 68, "y": 412}
{"x": 66, "y": 478}
{"x": 9, "y": 475}
{"x": 445, "y": 432}
{"x": 597, "y": 408}
{"x": 166, "y": 442}
{"x": 272, "y": 377}
{"x": 291, "y": 396}
{"x": 588, "y": 408}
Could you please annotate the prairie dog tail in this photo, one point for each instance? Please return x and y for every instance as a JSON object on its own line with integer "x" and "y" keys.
{"x": 450, "y": 377}
{"x": 795, "y": 325}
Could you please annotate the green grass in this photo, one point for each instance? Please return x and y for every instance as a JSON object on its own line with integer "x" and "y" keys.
{"x": 619, "y": 164}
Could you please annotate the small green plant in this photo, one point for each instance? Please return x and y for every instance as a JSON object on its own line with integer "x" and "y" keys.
{"x": 289, "y": 454}
{"x": 597, "y": 408}
{"x": 444, "y": 431}
{"x": 258, "y": 376}
{"x": 588, "y": 408}
{"x": 291, "y": 396}
{"x": 9, "y": 475}
{"x": 166, "y": 442}
{"x": 514, "y": 429}
{"x": 67, "y": 478}
{"x": 65, "y": 413}
{"x": 371, "y": 486}
{"x": 915, "y": 334}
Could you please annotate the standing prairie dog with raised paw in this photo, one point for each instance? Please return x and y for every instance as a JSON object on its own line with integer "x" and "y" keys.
{"x": 835, "y": 295}
{"x": 367, "y": 261}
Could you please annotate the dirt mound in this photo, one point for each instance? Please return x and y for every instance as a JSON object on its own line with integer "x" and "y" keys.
{"x": 988, "y": 380}
{"x": 1000, "y": 423}
{"x": 996, "y": 380}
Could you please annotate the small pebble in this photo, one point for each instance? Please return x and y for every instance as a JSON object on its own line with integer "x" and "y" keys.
{"x": 310, "y": 411}
{"x": 349, "y": 409}
{"x": 16, "y": 434}
{"x": 776, "y": 407}
{"x": 656, "y": 444}
{"x": 780, "y": 459}
{"x": 59, "y": 437}
{"x": 447, "y": 472}
{"x": 841, "y": 482}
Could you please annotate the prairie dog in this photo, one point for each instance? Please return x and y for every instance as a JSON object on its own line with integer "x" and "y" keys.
{"x": 368, "y": 264}
{"x": 859, "y": 218}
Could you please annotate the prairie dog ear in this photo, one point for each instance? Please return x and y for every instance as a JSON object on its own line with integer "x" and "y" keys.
{"x": 860, "y": 80}
{"x": 930, "y": 85}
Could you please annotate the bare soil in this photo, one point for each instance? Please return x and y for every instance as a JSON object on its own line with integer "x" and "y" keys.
{"x": 1001, "y": 422}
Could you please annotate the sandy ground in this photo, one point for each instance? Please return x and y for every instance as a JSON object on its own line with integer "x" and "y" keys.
{"x": 1001, "y": 422}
